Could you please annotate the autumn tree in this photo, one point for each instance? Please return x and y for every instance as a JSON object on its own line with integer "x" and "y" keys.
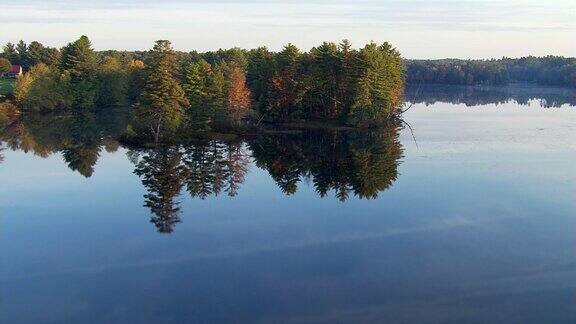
{"x": 237, "y": 161}
{"x": 136, "y": 79}
{"x": 112, "y": 83}
{"x": 5, "y": 65}
{"x": 43, "y": 88}
{"x": 238, "y": 101}
{"x": 8, "y": 113}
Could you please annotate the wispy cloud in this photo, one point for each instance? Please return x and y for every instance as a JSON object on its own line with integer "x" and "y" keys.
{"x": 200, "y": 24}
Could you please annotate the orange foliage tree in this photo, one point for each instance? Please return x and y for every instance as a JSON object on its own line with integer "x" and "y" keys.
{"x": 239, "y": 98}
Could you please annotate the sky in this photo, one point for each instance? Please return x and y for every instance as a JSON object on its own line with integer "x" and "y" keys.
{"x": 419, "y": 29}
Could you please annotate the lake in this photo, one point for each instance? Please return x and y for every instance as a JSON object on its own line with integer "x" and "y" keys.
{"x": 467, "y": 217}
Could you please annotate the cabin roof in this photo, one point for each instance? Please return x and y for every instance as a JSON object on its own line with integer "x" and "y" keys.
{"x": 16, "y": 68}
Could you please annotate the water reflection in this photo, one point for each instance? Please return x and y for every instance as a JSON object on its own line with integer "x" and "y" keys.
{"x": 78, "y": 137}
{"x": 359, "y": 163}
{"x": 347, "y": 163}
{"x": 163, "y": 175}
{"x": 548, "y": 97}
{"x": 203, "y": 168}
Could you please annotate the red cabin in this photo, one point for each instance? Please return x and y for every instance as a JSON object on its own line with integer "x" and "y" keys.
{"x": 14, "y": 72}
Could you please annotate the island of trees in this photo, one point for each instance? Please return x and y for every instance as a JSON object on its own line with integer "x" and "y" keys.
{"x": 172, "y": 94}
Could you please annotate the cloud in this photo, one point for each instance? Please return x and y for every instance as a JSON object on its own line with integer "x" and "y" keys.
{"x": 202, "y": 24}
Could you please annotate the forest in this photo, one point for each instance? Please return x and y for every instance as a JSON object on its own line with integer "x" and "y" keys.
{"x": 548, "y": 70}
{"x": 171, "y": 93}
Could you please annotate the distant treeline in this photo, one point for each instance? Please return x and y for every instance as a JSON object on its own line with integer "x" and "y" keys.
{"x": 548, "y": 70}
{"x": 167, "y": 88}
{"x": 547, "y": 97}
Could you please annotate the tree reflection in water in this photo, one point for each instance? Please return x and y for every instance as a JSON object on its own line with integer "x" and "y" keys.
{"x": 203, "y": 168}
{"x": 163, "y": 175}
{"x": 347, "y": 163}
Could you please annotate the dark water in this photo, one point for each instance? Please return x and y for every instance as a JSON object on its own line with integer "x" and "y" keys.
{"x": 473, "y": 222}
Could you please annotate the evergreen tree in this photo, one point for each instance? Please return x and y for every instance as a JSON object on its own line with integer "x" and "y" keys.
{"x": 218, "y": 87}
{"x": 286, "y": 92}
{"x": 259, "y": 75}
{"x": 326, "y": 71}
{"x": 22, "y": 57}
{"x": 35, "y": 50}
{"x": 79, "y": 61}
{"x": 163, "y": 102}
{"x": 196, "y": 85}
{"x": 349, "y": 75}
{"x": 9, "y": 53}
{"x": 380, "y": 85}
{"x": 38, "y": 53}
{"x": 79, "y": 57}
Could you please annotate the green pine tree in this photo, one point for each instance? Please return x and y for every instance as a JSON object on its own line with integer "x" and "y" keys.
{"x": 196, "y": 86}
{"x": 163, "y": 103}
{"x": 79, "y": 61}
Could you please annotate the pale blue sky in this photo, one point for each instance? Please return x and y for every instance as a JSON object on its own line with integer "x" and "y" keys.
{"x": 419, "y": 29}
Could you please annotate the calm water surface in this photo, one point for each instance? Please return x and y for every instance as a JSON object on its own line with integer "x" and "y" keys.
{"x": 472, "y": 221}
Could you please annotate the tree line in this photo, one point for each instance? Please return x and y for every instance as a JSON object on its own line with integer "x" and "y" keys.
{"x": 168, "y": 89}
{"x": 547, "y": 70}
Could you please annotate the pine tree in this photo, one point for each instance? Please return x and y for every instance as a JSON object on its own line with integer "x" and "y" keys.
{"x": 163, "y": 102}
{"x": 326, "y": 73}
{"x": 259, "y": 74}
{"x": 22, "y": 49}
{"x": 9, "y": 52}
{"x": 286, "y": 92}
{"x": 79, "y": 58}
{"x": 380, "y": 84}
{"x": 196, "y": 86}
{"x": 79, "y": 61}
{"x": 218, "y": 87}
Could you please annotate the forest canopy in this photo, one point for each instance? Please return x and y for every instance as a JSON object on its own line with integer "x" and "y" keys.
{"x": 167, "y": 89}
